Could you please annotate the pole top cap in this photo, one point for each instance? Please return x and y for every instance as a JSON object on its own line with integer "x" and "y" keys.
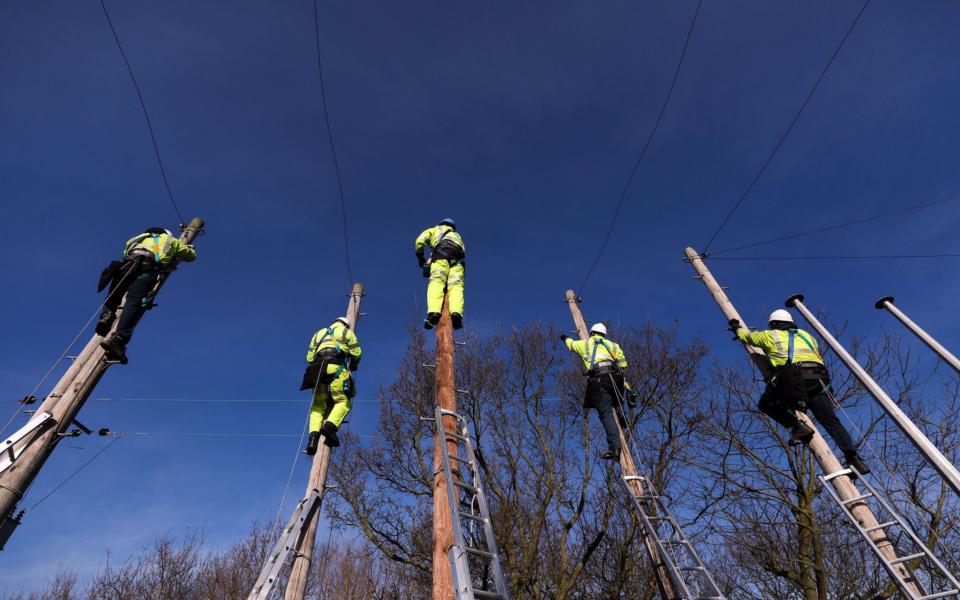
{"x": 882, "y": 301}
{"x": 792, "y": 300}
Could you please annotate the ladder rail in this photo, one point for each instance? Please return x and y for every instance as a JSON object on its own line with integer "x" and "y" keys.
{"x": 285, "y": 547}
{"x": 897, "y": 521}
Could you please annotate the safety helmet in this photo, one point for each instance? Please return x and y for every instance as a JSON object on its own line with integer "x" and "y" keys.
{"x": 158, "y": 231}
{"x": 780, "y": 315}
{"x": 342, "y": 320}
{"x": 450, "y": 222}
{"x": 599, "y": 328}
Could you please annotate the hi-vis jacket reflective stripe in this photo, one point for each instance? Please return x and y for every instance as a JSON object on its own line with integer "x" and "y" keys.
{"x": 597, "y": 349}
{"x": 783, "y": 347}
{"x": 431, "y": 237}
{"x": 337, "y": 336}
{"x": 164, "y": 248}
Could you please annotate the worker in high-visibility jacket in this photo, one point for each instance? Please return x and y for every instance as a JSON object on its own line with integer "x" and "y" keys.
{"x": 445, "y": 268}
{"x": 800, "y": 381}
{"x": 603, "y": 365}
{"x": 333, "y": 354}
{"x": 145, "y": 257}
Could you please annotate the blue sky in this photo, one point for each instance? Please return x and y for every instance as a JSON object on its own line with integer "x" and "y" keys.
{"x": 521, "y": 121}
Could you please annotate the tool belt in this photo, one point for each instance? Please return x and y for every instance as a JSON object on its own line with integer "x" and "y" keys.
{"x": 602, "y": 368}
{"x": 447, "y": 250}
{"x": 316, "y": 372}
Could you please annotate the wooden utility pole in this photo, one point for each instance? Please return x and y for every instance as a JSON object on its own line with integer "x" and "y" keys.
{"x": 846, "y": 488}
{"x": 297, "y": 582}
{"x": 629, "y": 469}
{"x": 63, "y": 404}
{"x": 445, "y": 395}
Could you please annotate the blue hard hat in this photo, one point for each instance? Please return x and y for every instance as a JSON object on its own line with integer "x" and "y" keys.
{"x": 449, "y": 222}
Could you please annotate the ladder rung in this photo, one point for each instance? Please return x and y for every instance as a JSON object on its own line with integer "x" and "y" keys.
{"x": 880, "y": 526}
{"x": 450, "y": 413}
{"x": 940, "y": 595}
{"x": 478, "y": 552}
{"x": 692, "y": 569}
{"x": 471, "y": 516}
{"x": 462, "y": 438}
{"x": 465, "y": 486}
{"x": 836, "y": 474}
{"x": 483, "y": 594}
{"x": 459, "y": 460}
{"x": 857, "y": 499}
{"x": 904, "y": 559}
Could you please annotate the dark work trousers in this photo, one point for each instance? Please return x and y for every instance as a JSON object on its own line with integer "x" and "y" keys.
{"x": 139, "y": 288}
{"x": 797, "y": 388}
{"x": 600, "y": 395}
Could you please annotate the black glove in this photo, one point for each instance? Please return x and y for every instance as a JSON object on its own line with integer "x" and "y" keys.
{"x": 421, "y": 260}
{"x": 734, "y": 326}
{"x": 563, "y": 337}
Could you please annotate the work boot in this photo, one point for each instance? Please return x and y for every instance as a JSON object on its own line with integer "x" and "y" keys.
{"x": 312, "y": 443}
{"x": 103, "y": 325}
{"x": 800, "y": 434}
{"x": 432, "y": 320}
{"x": 329, "y": 431}
{"x": 854, "y": 460}
{"x": 116, "y": 349}
{"x": 611, "y": 455}
{"x": 457, "y": 319}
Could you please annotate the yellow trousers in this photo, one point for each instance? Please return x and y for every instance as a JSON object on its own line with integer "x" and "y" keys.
{"x": 331, "y": 402}
{"x": 449, "y": 278}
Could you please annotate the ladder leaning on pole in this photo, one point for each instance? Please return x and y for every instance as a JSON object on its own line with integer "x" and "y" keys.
{"x": 689, "y": 574}
{"x": 286, "y": 547}
{"x": 468, "y": 503}
{"x": 935, "y": 568}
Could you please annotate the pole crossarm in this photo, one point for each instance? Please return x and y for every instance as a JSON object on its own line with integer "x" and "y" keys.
{"x": 829, "y": 464}
{"x": 62, "y": 405}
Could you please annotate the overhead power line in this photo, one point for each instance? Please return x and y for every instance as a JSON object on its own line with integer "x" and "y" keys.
{"x": 643, "y": 150}
{"x": 831, "y": 227}
{"x": 333, "y": 149}
{"x": 786, "y": 133}
{"x": 146, "y": 115}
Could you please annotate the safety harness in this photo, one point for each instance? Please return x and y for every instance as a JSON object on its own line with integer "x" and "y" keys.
{"x": 316, "y": 370}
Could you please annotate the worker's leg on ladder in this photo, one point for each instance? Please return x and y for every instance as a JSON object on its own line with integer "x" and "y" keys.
{"x": 319, "y": 409}
{"x": 439, "y": 270}
{"x": 821, "y": 406}
{"x": 138, "y": 297}
{"x": 341, "y": 390}
{"x": 773, "y": 405}
{"x": 603, "y": 401}
{"x": 455, "y": 288}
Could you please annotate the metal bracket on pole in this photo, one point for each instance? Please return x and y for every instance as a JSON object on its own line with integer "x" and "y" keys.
{"x": 7, "y": 446}
{"x": 286, "y": 547}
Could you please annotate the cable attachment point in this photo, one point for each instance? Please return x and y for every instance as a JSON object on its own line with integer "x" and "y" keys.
{"x": 104, "y": 432}
{"x": 28, "y": 400}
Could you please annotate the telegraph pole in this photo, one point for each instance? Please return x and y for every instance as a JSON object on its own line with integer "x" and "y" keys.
{"x": 628, "y": 469}
{"x": 948, "y": 357}
{"x": 29, "y": 454}
{"x": 297, "y": 582}
{"x": 445, "y": 395}
{"x": 937, "y": 460}
{"x": 845, "y": 487}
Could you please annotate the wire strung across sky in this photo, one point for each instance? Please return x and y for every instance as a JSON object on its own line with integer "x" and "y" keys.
{"x": 829, "y": 227}
{"x": 643, "y": 151}
{"x": 146, "y": 115}
{"x": 333, "y": 149}
{"x": 786, "y": 133}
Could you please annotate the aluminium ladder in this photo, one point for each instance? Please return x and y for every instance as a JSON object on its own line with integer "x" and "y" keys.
{"x": 468, "y": 505}
{"x": 689, "y": 575}
{"x": 286, "y": 547}
{"x": 937, "y": 569}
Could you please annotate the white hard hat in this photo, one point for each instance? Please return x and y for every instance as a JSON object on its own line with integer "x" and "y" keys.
{"x": 598, "y": 328}
{"x": 780, "y": 315}
{"x": 342, "y": 320}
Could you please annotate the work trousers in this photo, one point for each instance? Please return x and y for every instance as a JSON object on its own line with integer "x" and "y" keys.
{"x": 601, "y": 395}
{"x": 138, "y": 286}
{"x": 445, "y": 275}
{"x": 797, "y": 387}
{"x": 331, "y": 401}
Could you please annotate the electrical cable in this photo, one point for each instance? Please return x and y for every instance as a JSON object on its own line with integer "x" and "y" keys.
{"x": 830, "y": 227}
{"x": 333, "y": 150}
{"x": 786, "y": 133}
{"x": 849, "y": 257}
{"x": 293, "y": 467}
{"x": 77, "y": 471}
{"x": 146, "y": 116}
{"x": 643, "y": 151}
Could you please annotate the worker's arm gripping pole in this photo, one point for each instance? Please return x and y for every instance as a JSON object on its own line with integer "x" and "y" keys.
{"x": 933, "y": 455}
{"x": 297, "y": 582}
{"x": 629, "y": 470}
{"x": 62, "y": 404}
{"x": 829, "y": 464}
{"x": 948, "y": 357}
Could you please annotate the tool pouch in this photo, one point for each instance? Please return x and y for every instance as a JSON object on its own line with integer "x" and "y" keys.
{"x": 108, "y": 274}
{"x": 315, "y": 374}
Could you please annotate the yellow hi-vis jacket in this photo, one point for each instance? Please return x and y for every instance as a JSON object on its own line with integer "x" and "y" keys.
{"x": 163, "y": 247}
{"x": 431, "y": 237}
{"x": 783, "y": 347}
{"x": 597, "y": 349}
{"x": 337, "y": 336}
